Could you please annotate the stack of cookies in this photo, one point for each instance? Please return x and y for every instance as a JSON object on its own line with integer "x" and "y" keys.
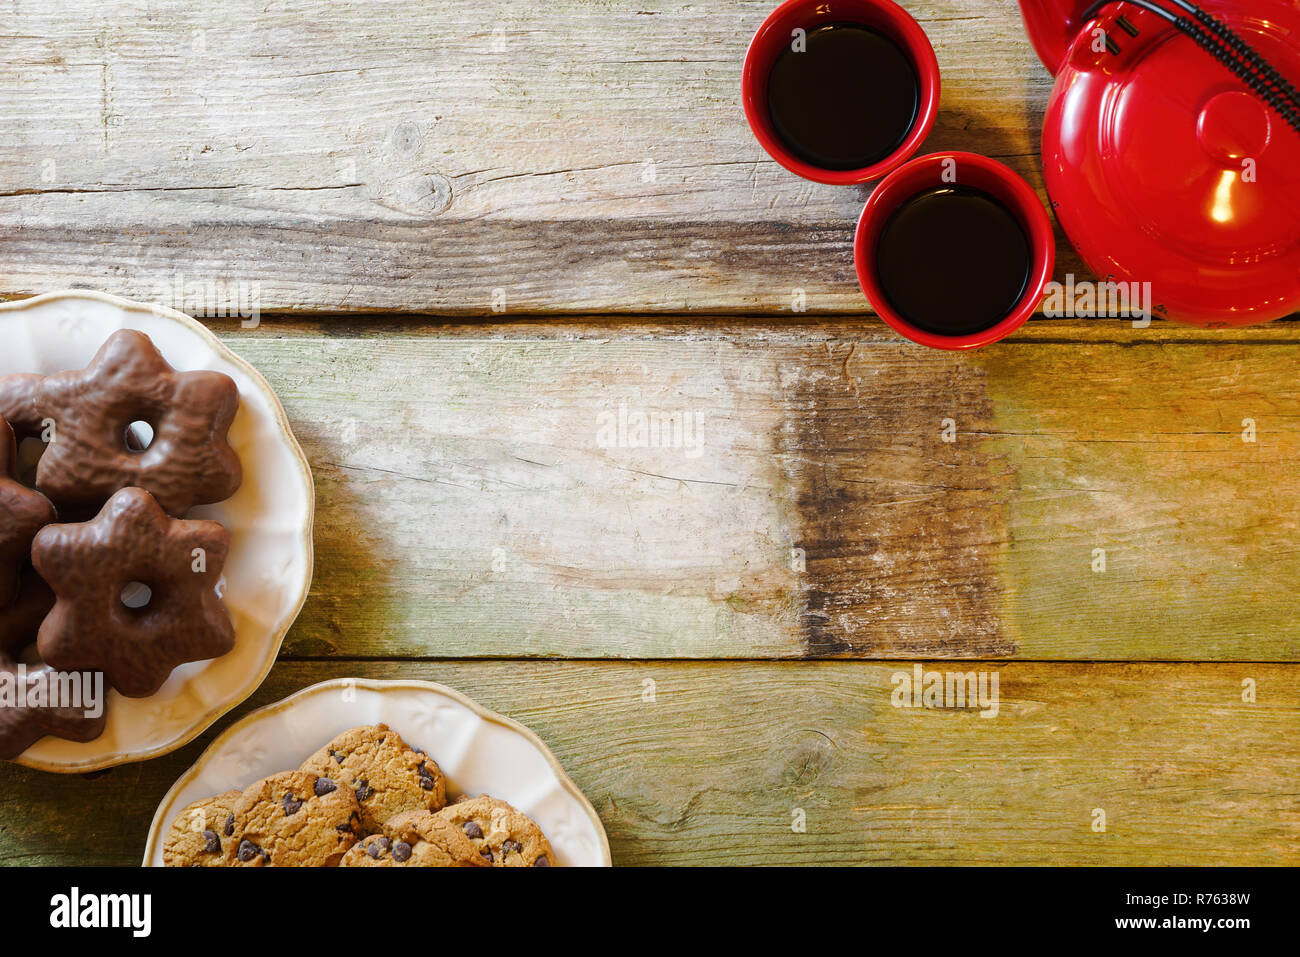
{"x": 366, "y": 799}
{"x": 100, "y": 573}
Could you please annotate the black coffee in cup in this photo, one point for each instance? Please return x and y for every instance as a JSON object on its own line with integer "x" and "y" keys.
{"x": 843, "y": 96}
{"x": 953, "y": 260}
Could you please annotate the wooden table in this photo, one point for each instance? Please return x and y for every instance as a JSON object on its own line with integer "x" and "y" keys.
{"x": 708, "y": 637}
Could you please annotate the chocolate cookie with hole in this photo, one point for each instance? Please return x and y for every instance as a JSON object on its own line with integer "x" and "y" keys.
{"x": 38, "y": 716}
{"x": 295, "y": 819}
{"x": 18, "y": 408}
{"x": 415, "y": 839}
{"x": 18, "y": 404}
{"x": 387, "y": 775}
{"x": 135, "y": 593}
{"x": 20, "y": 620}
{"x": 23, "y": 513}
{"x": 31, "y": 715}
{"x": 203, "y": 834}
{"x": 503, "y": 835}
{"x": 26, "y": 718}
{"x": 129, "y": 420}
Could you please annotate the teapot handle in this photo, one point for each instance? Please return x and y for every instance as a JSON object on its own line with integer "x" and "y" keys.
{"x": 1052, "y": 26}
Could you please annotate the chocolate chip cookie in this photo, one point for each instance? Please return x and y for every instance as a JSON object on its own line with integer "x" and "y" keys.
{"x": 386, "y": 774}
{"x": 295, "y": 819}
{"x": 504, "y": 836}
{"x": 415, "y": 839}
{"x": 203, "y": 835}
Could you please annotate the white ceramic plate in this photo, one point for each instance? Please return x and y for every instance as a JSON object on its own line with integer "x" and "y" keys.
{"x": 479, "y": 751}
{"x": 269, "y": 570}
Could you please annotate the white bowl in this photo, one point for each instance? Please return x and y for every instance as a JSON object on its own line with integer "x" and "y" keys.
{"x": 479, "y": 751}
{"x": 268, "y": 572}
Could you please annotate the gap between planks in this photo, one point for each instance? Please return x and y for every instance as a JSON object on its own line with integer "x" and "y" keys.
{"x": 840, "y": 327}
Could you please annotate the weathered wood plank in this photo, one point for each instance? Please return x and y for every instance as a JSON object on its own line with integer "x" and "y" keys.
{"x": 471, "y": 506}
{"x": 712, "y": 770}
{"x": 415, "y": 156}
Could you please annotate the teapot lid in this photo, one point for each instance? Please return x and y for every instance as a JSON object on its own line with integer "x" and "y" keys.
{"x": 1164, "y": 167}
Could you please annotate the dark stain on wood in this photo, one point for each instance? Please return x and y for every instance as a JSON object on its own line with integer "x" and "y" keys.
{"x": 901, "y": 530}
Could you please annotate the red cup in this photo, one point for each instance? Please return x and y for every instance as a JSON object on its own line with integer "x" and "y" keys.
{"x": 964, "y": 169}
{"x": 773, "y": 38}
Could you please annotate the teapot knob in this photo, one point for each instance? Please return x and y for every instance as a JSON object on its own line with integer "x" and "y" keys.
{"x": 1233, "y": 126}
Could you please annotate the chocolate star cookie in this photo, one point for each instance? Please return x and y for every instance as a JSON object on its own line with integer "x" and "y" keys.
{"x": 95, "y": 452}
{"x": 203, "y": 834}
{"x": 92, "y": 566}
{"x": 415, "y": 839}
{"x": 23, "y": 513}
{"x": 18, "y": 404}
{"x": 387, "y": 774}
{"x": 20, "y": 620}
{"x": 295, "y": 819}
{"x": 23, "y": 723}
{"x": 504, "y": 836}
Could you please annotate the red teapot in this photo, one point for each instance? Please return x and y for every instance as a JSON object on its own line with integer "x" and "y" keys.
{"x": 1171, "y": 149}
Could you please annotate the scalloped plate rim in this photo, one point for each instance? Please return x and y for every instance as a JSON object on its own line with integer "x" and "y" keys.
{"x": 282, "y": 424}
{"x": 381, "y": 685}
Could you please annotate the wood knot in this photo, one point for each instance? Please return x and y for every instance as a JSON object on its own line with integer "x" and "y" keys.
{"x": 801, "y": 759}
{"x": 416, "y": 194}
